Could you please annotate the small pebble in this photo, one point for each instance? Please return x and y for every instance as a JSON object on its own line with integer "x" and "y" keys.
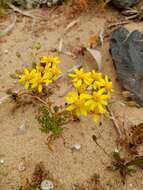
{"x": 76, "y": 147}
{"x": 49, "y": 4}
{"x": 116, "y": 150}
{"x": 1, "y": 161}
{"x": 47, "y": 185}
{"x": 23, "y": 128}
{"x": 21, "y": 167}
{"x": 131, "y": 185}
{"x": 6, "y": 51}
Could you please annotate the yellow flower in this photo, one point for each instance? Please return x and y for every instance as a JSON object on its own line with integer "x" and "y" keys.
{"x": 77, "y": 103}
{"x": 96, "y": 75}
{"x": 26, "y": 77}
{"x": 98, "y": 101}
{"x": 39, "y": 80}
{"x": 82, "y": 88}
{"x": 50, "y": 59}
{"x": 55, "y": 71}
{"x": 106, "y": 84}
{"x": 93, "y": 91}
{"x": 40, "y": 69}
{"x": 81, "y": 77}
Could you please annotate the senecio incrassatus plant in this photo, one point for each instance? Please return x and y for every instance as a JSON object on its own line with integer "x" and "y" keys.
{"x": 90, "y": 95}
{"x": 42, "y": 75}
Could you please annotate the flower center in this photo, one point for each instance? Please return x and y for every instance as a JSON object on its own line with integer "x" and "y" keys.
{"x": 97, "y": 98}
{"x": 79, "y": 103}
{"x": 28, "y": 77}
{"x": 81, "y": 76}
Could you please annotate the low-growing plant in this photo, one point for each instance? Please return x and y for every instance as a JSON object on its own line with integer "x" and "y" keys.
{"x": 3, "y": 6}
{"x": 51, "y": 121}
{"x": 90, "y": 94}
{"x": 124, "y": 167}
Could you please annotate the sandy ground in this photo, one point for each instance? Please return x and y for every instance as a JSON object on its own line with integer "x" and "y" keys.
{"x": 67, "y": 167}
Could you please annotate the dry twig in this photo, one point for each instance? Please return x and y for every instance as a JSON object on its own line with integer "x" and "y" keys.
{"x": 15, "y": 9}
{"x": 115, "y": 122}
{"x": 9, "y": 27}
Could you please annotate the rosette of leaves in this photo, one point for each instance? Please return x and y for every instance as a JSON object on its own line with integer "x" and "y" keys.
{"x": 125, "y": 167}
{"x": 51, "y": 121}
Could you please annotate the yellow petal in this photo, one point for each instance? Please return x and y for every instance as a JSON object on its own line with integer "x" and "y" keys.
{"x": 34, "y": 85}
{"x": 101, "y": 109}
{"x": 91, "y": 105}
{"x": 84, "y": 96}
{"x": 40, "y": 88}
{"x": 72, "y": 75}
{"x": 78, "y": 113}
{"x": 70, "y": 108}
{"x": 72, "y": 97}
{"x": 76, "y": 70}
{"x": 104, "y": 97}
{"x": 83, "y": 111}
{"x": 26, "y": 71}
{"x": 101, "y": 91}
{"x": 107, "y": 79}
{"x": 104, "y": 103}
{"x": 96, "y": 118}
{"x": 27, "y": 85}
{"x": 21, "y": 78}
{"x": 78, "y": 84}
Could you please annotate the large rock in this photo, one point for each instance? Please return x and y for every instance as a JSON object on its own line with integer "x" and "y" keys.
{"x": 124, "y": 3}
{"x": 36, "y": 3}
{"x": 127, "y": 54}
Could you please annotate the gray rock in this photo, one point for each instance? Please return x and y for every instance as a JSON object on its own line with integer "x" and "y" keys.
{"x": 47, "y": 185}
{"x": 36, "y": 3}
{"x": 127, "y": 55}
{"x": 124, "y": 3}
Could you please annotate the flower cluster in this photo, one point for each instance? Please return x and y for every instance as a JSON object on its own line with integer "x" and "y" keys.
{"x": 41, "y": 75}
{"x": 91, "y": 93}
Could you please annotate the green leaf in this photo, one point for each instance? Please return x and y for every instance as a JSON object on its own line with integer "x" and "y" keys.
{"x": 56, "y": 109}
{"x": 13, "y": 76}
{"x": 116, "y": 156}
{"x": 138, "y": 161}
{"x": 37, "y": 46}
{"x": 34, "y": 65}
{"x": 131, "y": 169}
{"x": 50, "y": 122}
{"x": 18, "y": 54}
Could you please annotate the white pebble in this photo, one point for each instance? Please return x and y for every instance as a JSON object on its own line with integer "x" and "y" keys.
{"x": 55, "y": 2}
{"x": 116, "y": 150}
{"x": 131, "y": 185}
{"x": 76, "y": 147}
{"x": 6, "y": 51}
{"x": 21, "y": 167}
{"x": 1, "y": 161}
{"x": 47, "y": 185}
{"x": 49, "y": 4}
{"x": 23, "y": 128}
